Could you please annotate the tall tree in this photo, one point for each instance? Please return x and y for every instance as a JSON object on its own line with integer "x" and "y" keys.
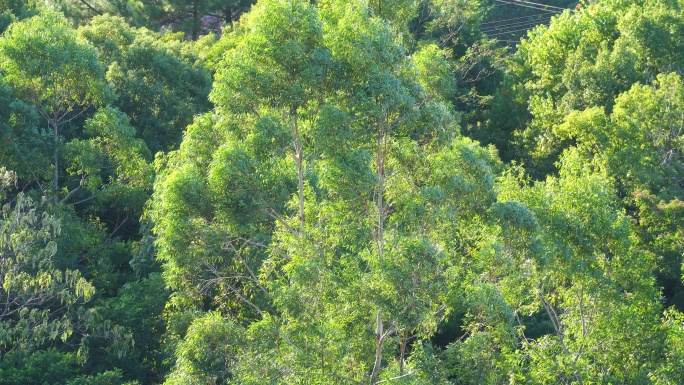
{"x": 343, "y": 174}
{"x": 59, "y": 76}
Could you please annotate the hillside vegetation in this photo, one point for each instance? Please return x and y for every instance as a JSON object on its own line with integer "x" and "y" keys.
{"x": 341, "y": 192}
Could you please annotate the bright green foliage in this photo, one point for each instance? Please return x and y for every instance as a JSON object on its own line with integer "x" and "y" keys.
{"x": 595, "y": 287}
{"x": 327, "y": 222}
{"x": 586, "y": 59}
{"x": 112, "y": 137}
{"x": 435, "y": 72}
{"x": 208, "y": 353}
{"x": 671, "y": 370}
{"x": 21, "y": 136}
{"x": 49, "y": 69}
{"x": 660, "y": 232}
{"x": 279, "y": 64}
{"x": 639, "y": 144}
{"x": 604, "y": 80}
{"x": 328, "y": 196}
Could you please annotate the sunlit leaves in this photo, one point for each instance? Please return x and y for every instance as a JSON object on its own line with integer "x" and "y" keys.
{"x": 38, "y": 300}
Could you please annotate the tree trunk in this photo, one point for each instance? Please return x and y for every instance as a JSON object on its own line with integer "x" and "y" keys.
{"x": 299, "y": 157}
{"x": 380, "y": 242}
{"x": 378, "y": 349}
{"x": 195, "y": 21}
{"x": 55, "y": 176}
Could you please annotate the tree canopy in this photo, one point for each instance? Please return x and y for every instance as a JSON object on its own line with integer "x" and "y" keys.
{"x": 352, "y": 192}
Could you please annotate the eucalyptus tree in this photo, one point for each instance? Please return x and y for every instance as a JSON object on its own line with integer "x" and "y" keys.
{"x": 321, "y": 210}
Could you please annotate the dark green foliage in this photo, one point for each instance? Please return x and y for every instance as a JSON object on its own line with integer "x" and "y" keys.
{"x": 159, "y": 80}
{"x": 43, "y": 367}
{"x": 193, "y": 17}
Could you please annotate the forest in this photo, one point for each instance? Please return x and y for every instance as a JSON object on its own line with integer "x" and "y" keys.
{"x": 341, "y": 192}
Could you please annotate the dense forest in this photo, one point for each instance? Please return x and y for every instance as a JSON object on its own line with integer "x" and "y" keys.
{"x": 341, "y": 192}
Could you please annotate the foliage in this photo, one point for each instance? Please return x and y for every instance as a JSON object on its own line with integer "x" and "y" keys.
{"x": 194, "y": 17}
{"x": 160, "y": 70}
{"x": 39, "y": 301}
{"x": 303, "y": 198}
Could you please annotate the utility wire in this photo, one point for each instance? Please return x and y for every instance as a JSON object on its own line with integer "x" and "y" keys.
{"x": 526, "y": 6}
{"x": 500, "y": 28}
{"x": 538, "y": 20}
{"x": 512, "y": 30}
{"x": 508, "y": 32}
{"x": 505, "y": 20}
{"x": 517, "y": 25}
{"x": 541, "y": 5}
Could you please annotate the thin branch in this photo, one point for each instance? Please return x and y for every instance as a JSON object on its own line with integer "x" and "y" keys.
{"x": 244, "y": 263}
{"x": 71, "y": 193}
{"x": 90, "y": 7}
{"x": 328, "y": 375}
{"x": 272, "y": 213}
{"x": 396, "y": 378}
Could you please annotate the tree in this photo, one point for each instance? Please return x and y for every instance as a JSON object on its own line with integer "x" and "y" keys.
{"x": 159, "y": 81}
{"x": 594, "y": 79}
{"x": 310, "y": 257}
{"x": 584, "y": 59}
{"x": 593, "y": 284}
{"x": 55, "y": 73}
{"x": 39, "y": 302}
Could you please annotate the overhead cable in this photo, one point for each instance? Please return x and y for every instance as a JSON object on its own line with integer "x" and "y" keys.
{"x": 509, "y": 32}
{"x": 538, "y": 4}
{"x": 510, "y": 2}
{"x": 517, "y": 25}
{"x": 505, "y": 20}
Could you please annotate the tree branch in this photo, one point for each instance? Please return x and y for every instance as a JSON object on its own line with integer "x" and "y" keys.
{"x": 396, "y": 378}
{"x": 90, "y": 7}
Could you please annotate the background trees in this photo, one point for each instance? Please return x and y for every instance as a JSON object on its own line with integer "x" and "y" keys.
{"x": 581, "y": 85}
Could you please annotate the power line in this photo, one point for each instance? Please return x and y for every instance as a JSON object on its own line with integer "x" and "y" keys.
{"x": 541, "y": 5}
{"x": 510, "y": 2}
{"x": 509, "y": 32}
{"x": 513, "y": 30}
{"x": 520, "y": 24}
{"x": 524, "y": 23}
{"x": 504, "y": 20}
{"x": 517, "y": 25}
